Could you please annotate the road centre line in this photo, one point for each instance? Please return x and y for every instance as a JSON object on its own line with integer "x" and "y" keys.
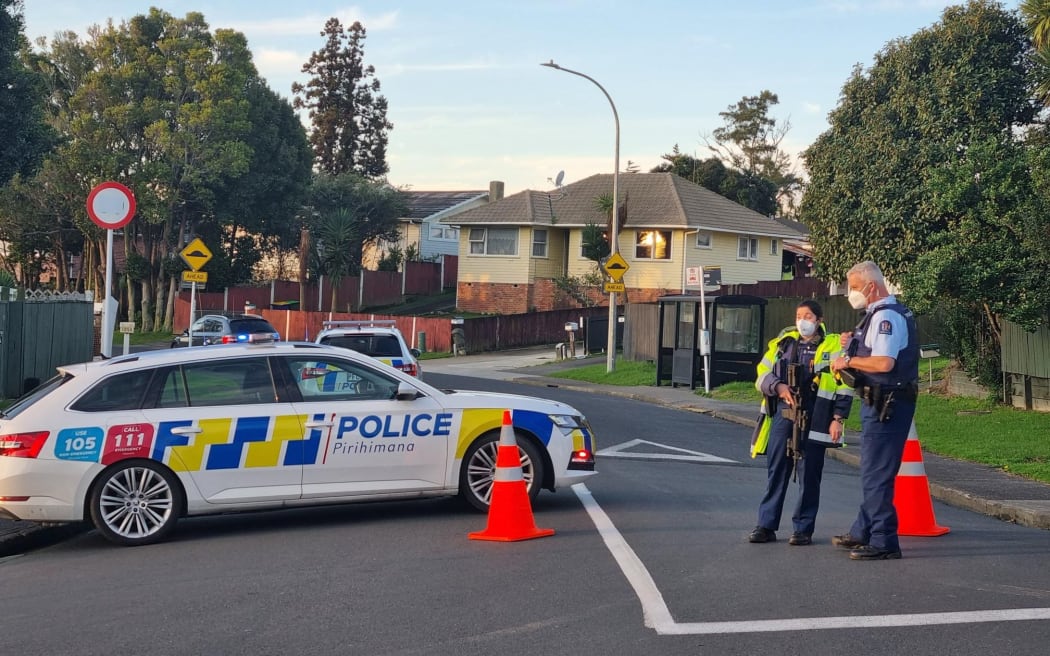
{"x": 656, "y": 615}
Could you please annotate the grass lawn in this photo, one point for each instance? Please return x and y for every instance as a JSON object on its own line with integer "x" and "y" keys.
{"x": 138, "y": 339}
{"x": 957, "y": 427}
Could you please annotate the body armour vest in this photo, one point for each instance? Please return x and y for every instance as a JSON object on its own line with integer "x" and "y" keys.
{"x": 906, "y": 368}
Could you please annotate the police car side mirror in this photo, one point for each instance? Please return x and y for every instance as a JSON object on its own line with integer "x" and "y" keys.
{"x": 415, "y": 352}
{"x": 406, "y": 392}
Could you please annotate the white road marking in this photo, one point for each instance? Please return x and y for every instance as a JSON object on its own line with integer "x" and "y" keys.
{"x": 618, "y": 451}
{"x": 658, "y": 617}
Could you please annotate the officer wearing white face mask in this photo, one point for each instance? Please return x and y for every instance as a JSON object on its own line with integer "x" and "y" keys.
{"x": 795, "y": 376}
{"x": 883, "y": 356}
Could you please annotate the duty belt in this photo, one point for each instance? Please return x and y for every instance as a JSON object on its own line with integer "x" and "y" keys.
{"x": 874, "y": 393}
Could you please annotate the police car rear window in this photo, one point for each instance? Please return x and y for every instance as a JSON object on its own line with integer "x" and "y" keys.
{"x": 371, "y": 345}
{"x": 34, "y": 395}
{"x": 239, "y": 326}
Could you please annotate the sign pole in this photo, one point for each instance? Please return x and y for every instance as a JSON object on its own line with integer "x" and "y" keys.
{"x": 108, "y": 303}
{"x": 705, "y": 339}
{"x": 193, "y": 310}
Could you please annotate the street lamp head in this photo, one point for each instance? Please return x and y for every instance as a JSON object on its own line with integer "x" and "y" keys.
{"x": 550, "y": 64}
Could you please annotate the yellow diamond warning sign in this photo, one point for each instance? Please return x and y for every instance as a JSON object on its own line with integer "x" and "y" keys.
{"x": 616, "y": 266}
{"x": 196, "y": 254}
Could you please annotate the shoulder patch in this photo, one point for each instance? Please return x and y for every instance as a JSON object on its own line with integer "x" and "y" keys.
{"x": 885, "y": 327}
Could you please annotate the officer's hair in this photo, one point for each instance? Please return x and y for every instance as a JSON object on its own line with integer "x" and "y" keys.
{"x": 813, "y": 306}
{"x": 868, "y": 271}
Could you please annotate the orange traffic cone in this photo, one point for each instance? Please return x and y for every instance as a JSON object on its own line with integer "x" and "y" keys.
{"x": 911, "y": 493}
{"x": 510, "y": 512}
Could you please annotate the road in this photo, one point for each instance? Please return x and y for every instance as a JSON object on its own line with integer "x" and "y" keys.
{"x": 650, "y": 557}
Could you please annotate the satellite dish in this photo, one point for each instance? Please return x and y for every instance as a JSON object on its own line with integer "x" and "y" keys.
{"x": 558, "y": 178}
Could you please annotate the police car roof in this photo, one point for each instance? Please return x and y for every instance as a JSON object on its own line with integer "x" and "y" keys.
{"x": 162, "y": 357}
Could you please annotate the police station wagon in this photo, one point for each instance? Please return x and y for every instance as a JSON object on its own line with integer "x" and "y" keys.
{"x": 135, "y": 442}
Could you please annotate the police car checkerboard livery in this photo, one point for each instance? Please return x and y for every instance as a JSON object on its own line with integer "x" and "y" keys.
{"x": 379, "y": 339}
{"x": 135, "y": 442}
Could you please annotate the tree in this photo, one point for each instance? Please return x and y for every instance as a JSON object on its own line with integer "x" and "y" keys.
{"x": 921, "y": 105}
{"x": 749, "y": 143}
{"x": 355, "y": 212}
{"x": 347, "y": 114}
{"x": 1036, "y": 15}
{"x": 922, "y": 171}
{"x": 26, "y": 135}
{"x": 750, "y": 190}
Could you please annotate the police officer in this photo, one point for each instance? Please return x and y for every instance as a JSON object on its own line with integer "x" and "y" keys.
{"x": 883, "y": 354}
{"x": 824, "y": 404}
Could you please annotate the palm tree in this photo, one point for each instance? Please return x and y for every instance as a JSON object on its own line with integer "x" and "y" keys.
{"x": 1036, "y": 15}
{"x": 338, "y": 246}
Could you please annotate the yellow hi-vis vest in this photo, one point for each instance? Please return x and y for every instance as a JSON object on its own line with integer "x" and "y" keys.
{"x": 828, "y": 388}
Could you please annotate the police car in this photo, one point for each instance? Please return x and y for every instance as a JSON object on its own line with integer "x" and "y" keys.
{"x": 379, "y": 339}
{"x": 136, "y": 442}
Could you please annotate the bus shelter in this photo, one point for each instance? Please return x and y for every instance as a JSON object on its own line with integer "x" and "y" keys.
{"x": 731, "y": 342}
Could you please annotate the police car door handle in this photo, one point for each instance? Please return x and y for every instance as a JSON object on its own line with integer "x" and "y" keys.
{"x": 319, "y": 424}
{"x": 186, "y": 430}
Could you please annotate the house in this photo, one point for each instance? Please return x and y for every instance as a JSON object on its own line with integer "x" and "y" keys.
{"x": 421, "y": 227}
{"x": 511, "y": 251}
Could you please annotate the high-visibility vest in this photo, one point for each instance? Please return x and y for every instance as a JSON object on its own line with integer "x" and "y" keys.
{"x": 829, "y": 390}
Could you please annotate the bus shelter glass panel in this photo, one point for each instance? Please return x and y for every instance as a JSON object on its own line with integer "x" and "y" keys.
{"x": 738, "y": 329}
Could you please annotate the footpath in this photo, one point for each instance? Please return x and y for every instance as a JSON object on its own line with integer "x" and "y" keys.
{"x": 968, "y": 485}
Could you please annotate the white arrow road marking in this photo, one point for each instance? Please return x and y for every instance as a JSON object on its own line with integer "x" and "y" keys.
{"x": 619, "y": 451}
{"x": 658, "y": 617}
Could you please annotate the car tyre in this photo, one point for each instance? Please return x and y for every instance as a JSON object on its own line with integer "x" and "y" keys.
{"x": 136, "y": 502}
{"x": 479, "y": 469}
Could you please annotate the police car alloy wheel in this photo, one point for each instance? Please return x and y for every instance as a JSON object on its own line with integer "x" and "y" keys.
{"x": 479, "y": 469}
{"x": 136, "y": 502}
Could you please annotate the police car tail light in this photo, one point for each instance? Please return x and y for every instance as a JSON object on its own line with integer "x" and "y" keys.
{"x": 22, "y": 445}
{"x": 409, "y": 369}
{"x": 582, "y": 459}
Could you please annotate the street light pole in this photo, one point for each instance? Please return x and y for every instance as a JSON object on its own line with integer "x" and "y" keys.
{"x": 614, "y": 228}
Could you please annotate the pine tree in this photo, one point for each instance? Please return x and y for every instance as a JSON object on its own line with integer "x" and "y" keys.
{"x": 346, "y": 111}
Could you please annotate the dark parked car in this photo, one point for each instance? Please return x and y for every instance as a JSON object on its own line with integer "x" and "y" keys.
{"x": 225, "y": 329}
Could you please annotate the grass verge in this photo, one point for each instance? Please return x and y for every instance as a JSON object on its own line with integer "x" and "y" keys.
{"x": 138, "y": 339}
{"x": 957, "y": 427}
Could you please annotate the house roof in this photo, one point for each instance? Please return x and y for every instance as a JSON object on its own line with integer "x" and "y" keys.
{"x": 653, "y": 200}
{"x": 422, "y": 204}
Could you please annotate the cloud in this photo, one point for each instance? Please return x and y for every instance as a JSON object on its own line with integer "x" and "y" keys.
{"x": 312, "y": 24}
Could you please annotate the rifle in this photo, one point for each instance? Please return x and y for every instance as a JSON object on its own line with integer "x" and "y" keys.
{"x": 797, "y": 413}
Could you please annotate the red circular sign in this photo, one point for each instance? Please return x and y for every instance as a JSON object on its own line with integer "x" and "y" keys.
{"x": 111, "y": 205}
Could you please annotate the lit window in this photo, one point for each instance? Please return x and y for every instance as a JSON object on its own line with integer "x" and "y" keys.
{"x": 493, "y": 241}
{"x": 747, "y": 248}
{"x": 703, "y": 239}
{"x": 539, "y": 242}
{"x": 652, "y": 245}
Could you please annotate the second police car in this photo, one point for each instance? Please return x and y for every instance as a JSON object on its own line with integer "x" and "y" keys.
{"x": 136, "y": 442}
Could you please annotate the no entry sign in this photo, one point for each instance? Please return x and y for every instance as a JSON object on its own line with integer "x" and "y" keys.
{"x": 111, "y": 205}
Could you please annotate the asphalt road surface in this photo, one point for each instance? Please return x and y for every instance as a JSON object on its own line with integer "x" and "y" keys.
{"x": 650, "y": 557}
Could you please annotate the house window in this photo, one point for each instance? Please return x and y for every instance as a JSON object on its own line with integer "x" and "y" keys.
{"x": 493, "y": 241}
{"x": 703, "y": 239}
{"x": 443, "y": 233}
{"x": 539, "y": 242}
{"x": 747, "y": 248}
{"x": 774, "y": 247}
{"x": 652, "y": 245}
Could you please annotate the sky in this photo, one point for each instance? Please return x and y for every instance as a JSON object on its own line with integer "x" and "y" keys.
{"x": 470, "y": 102}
